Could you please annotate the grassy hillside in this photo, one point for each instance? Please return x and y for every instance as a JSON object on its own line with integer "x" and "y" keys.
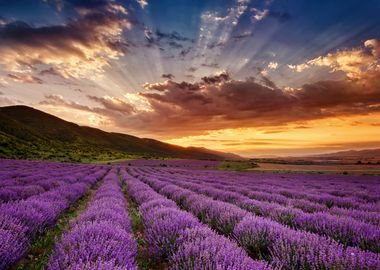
{"x": 27, "y": 133}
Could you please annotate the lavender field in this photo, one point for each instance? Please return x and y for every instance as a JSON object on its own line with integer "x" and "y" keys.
{"x": 136, "y": 216}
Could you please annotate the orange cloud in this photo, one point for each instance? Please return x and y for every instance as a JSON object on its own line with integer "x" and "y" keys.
{"x": 356, "y": 63}
{"x": 219, "y": 102}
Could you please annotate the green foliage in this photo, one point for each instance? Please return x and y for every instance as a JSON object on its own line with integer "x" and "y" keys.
{"x": 26, "y": 133}
{"x": 12, "y": 147}
{"x": 238, "y": 165}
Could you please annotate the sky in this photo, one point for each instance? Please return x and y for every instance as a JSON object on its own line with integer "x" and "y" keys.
{"x": 253, "y": 77}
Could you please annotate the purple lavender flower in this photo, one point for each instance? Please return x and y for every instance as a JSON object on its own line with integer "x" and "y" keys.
{"x": 201, "y": 248}
{"x": 88, "y": 242}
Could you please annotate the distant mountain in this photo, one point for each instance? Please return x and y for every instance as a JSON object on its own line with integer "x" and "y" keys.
{"x": 363, "y": 155}
{"x": 32, "y": 134}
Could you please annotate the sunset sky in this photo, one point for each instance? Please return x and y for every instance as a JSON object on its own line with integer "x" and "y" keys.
{"x": 270, "y": 77}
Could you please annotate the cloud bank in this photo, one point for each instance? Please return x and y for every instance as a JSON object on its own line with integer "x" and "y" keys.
{"x": 81, "y": 47}
{"x": 219, "y": 101}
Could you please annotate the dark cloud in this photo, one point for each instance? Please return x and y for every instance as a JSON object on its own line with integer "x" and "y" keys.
{"x": 210, "y": 65}
{"x": 174, "y": 36}
{"x": 58, "y": 100}
{"x": 25, "y": 78}
{"x": 148, "y": 34}
{"x": 243, "y": 35}
{"x": 113, "y": 104}
{"x": 214, "y": 45}
{"x": 50, "y": 72}
{"x": 82, "y": 45}
{"x": 111, "y": 107}
{"x": 173, "y": 40}
{"x": 175, "y": 45}
{"x": 268, "y": 82}
{"x": 192, "y": 69}
{"x": 224, "y": 76}
{"x": 168, "y": 76}
{"x": 218, "y": 102}
{"x": 185, "y": 52}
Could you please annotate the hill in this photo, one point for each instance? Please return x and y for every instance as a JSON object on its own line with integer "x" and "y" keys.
{"x": 354, "y": 156}
{"x": 366, "y": 153}
{"x": 27, "y": 133}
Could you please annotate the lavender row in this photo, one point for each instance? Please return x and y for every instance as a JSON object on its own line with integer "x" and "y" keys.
{"x": 265, "y": 239}
{"x": 23, "y": 220}
{"x": 302, "y": 188}
{"x": 39, "y": 182}
{"x": 282, "y": 201}
{"x": 101, "y": 237}
{"x": 345, "y": 230}
{"x": 180, "y": 238}
{"x": 23, "y": 179}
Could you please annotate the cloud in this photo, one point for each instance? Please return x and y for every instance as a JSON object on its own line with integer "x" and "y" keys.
{"x": 267, "y": 82}
{"x": 210, "y": 65}
{"x": 50, "y": 72}
{"x": 299, "y": 68}
{"x": 216, "y": 29}
{"x": 172, "y": 39}
{"x": 357, "y": 63}
{"x": 219, "y": 102}
{"x": 142, "y": 3}
{"x": 111, "y": 107}
{"x": 148, "y": 34}
{"x": 259, "y": 14}
{"x": 224, "y": 76}
{"x": 58, "y": 100}
{"x": 185, "y": 52}
{"x": 3, "y": 82}
{"x": 273, "y": 65}
{"x": 80, "y": 47}
{"x": 113, "y": 104}
{"x": 243, "y": 35}
{"x": 25, "y": 78}
{"x": 174, "y": 36}
{"x": 168, "y": 76}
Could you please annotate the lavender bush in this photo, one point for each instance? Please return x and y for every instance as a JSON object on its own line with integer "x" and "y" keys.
{"x": 101, "y": 237}
{"x": 177, "y": 236}
{"x": 23, "y": 220}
